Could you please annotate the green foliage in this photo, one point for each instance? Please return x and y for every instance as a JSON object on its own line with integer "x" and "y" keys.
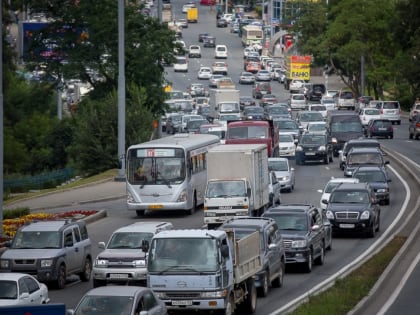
{"x": 15, "y": 213}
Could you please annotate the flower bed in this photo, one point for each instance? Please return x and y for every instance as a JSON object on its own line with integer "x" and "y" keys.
{"x": 10, "y": 226}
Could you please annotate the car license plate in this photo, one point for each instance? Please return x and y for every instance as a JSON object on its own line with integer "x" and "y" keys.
{"x": 310, "y": 153}
{"x": 155, "y": 206}
{"x": 118, "y": 275}
{"x": 181, "y": 302}
{"x": 382, "y": 129}
{"x": 346, "y": 226}
{"x": 263, "y": 92}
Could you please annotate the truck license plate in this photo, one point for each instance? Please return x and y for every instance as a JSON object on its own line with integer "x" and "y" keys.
{"x": 181, "y": 302}
{"x": 119, "y": 275}
{"x": 346, "y": 226}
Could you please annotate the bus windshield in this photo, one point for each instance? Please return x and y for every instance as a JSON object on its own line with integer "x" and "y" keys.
{"x": 156, "y": 170}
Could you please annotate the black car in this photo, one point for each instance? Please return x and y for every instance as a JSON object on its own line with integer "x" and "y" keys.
{"x": 201, "y": 37}
{"x": 306, "y": 233}
{"x": 245, "y": 101}
{"x": 272, "y": 251}
{"x": 356, "y": 143}
{"x": 253, "y": 113}
{"x": 288, "y": 126}
{"x": 352, "y": 207}
{"x": 377, "y": 179}
{"x": 222, "y": 23}
{"x": 380, "y": 128}
{"x": 209, "y": 41}
{"x": 314, "y": 147}
{"x": 363, "y": 157}
{"x": 193, "y": 126}
{"x": 316, "y": 91}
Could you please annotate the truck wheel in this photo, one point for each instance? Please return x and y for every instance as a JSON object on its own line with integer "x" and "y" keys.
{"x": 250, "y": 304}
{"x": 230, "y": 307}
{"x": 87, "y": 270}
{"x": 263, "y": 291}
{"x": 61, "y": 277}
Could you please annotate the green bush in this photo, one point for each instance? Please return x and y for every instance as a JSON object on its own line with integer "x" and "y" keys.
{"x": 15, "y": 213}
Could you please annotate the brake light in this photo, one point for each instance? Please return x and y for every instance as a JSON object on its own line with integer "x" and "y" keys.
{"x": 382, "y": 111}
{"x": 418, "y": 125}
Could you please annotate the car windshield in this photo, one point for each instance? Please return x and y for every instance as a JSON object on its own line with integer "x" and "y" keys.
{"x": 318, "y": 108}
{"x": 315, "y": 140}
{"x": 288, "y": 125}
{"x": 349, "y": 197}
{"x": 330, "y": 187}
{"x": 346, "y": 126}
{"x": 278, "y": 165}
{"x": 38, "y": 240}
{"x": 286, "y": 138}
{"x": 316, "y": 127}
{"x": 315, "y": 116}
{"x": 278, "y": 110}
{"x": 290, "y": 222}
{"x": 368, "y": 177}
{"x": 128, "y": 240}
{"x": 105, "y": 305}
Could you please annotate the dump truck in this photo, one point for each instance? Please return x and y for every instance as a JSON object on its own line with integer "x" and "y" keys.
{"x": 237, "y": 182}
{"x": 204, "y": 270}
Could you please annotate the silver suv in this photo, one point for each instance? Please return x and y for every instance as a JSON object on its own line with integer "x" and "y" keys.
{"x": 50, "y": 250}
{"x": 122, "y": 260}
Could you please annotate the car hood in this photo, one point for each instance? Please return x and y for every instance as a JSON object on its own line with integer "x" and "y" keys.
{"x": 378, "y": 185}
{"x": 347, "y": 206}
{"x": 120, "y": 253}
{"x": 31, "y": 253}
{"x": 280, "y": 174}
{"x": 293, "y": 235}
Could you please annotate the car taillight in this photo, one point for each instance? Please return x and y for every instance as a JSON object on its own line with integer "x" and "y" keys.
{"x": 391, "y": 128}
{"x": 382, "y": 111}
{"x": 418, "y": 125}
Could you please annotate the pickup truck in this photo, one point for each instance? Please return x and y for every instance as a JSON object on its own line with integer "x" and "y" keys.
{"x": 204, "y": 270}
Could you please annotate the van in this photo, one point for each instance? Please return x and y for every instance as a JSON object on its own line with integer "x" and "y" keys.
{"x": 181, "y": 64}
{"x": 390, "y": 110}
{"x": 343, "y": 126}
{"x": 345, "y": 100}
{"x": 220, "y": 52}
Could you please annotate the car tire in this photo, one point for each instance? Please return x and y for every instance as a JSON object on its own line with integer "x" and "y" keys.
{"x": 321, "y": 258}
{"x": 263, "y": 291}
{"x": 87, "y": 270}
{"x": 372, "y": 231}
{"x": 278, "y": 282}
{"x": 140, "y": 213}
{"x": 308, "y": 265}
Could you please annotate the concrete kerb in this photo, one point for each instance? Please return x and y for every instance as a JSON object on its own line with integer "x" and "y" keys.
{"x": 97, "y": 216}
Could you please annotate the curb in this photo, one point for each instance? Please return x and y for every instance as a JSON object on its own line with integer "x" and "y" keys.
{"x": 97, "y": 216}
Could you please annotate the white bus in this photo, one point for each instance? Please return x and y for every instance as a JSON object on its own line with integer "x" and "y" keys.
{"x": 252, "y": 34}
{"x": 168, "y": 173}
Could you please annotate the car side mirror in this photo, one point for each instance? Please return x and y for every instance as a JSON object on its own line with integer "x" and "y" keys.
{"x": 386, "y": 162}
{"x": 389, "y": 180}
{"x": 248, "y": 192}
{"x": 325, "y": 202}
{"x": 145, "y": 246}
{"x": 24, "y": 295}
{"x": 296, "y": 141}
{"x": 101, "y": 245}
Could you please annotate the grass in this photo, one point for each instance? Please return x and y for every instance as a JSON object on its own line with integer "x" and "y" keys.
{"x": 108, "y": 175}
{"x": 347, "y": 292}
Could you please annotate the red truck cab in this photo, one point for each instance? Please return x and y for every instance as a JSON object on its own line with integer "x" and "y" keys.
{"x": 254, "y": 132}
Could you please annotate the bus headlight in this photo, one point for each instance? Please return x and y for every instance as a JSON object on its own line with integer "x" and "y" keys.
{"x": 182, "y": 196}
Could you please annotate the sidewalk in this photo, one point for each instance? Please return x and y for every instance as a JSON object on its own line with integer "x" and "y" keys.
{"x": 100, "y": 191}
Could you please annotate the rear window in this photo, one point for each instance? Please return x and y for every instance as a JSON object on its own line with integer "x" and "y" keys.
{"x": 382, "y": 123}
{"x": 391, "y": 105}
{"x": 346, "y": 95}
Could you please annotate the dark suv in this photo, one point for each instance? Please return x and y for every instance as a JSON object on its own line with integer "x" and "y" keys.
{"x": 316, "y": 92}
{"x": 352, "y": 207}
{"x": 306, "y": 233}
{"x": 272, "y": 250}
{"x": 314, "y": 147}
{"x": 356, "y": 143}
{"x": 50, "y": 250}
{"x": 363, "y": 157}
{"x": 260, "y": 89}
{"x": 377, "y": 179}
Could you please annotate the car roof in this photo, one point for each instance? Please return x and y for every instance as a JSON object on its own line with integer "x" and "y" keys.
{"x": 352, "y": 186}
{"x": 278, "y": 159}
{"x": 343, "y": 180}
{"x": 364, "y": 150}
{"x": 145, "y": 226}
{"x": 12, "y": 276}
{"x": 46, "y": 225}
{"x": 290, "y": 207}
{"x": 247, "y": 223}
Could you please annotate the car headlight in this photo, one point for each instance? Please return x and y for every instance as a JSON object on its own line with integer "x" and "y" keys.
{"x": 334, "y": 140}
{"x": 382, "y": 190}
{"x": 365, "y": 215}
{"x": 4, "y": 264}
{"x": 101, "y": 263}
{"x": 182, "y": 196}
{"x": 321, "y": 148}
{"x": 140, "y": 263}
{"x": 330, "y": 215}
{"x": 46, "y": 263}
{"x": 299, "y": 148}
{"x": 284, "y": 178}
{"x": 161, "y": 295}
{"x": 299, "y": 244}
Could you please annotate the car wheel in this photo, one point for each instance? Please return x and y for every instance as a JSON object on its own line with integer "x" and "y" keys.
{"x": 140, "y": 213}
{"x": 278, "y": 282}
{"x": 61, "y": 277}
{"x": 371, "y": 231}
{"x": 391, "y": 137}
{"x": 331, "y": 158}
{"x": 326, "y": 160}
{"x": 87, "y": 270}
{"x": 321, "y": 258}
{"x": 308, "y": 265}
{"x": 263, "y": 291}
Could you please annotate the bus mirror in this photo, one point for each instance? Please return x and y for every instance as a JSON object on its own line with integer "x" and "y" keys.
{"x": 145, "y": 246}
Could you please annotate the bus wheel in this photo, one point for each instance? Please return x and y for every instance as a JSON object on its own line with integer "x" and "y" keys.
{"x": 194, "y": 205}
{"x": 140, "y": 213}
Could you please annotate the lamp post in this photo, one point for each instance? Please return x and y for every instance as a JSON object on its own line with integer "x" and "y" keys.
{"x": 1, "y": 121}
{"x": 121, "y": 93}
{"x": 60, "y": 87}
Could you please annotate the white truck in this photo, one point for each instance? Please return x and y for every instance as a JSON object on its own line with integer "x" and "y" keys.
{"x": 204, "y": 270}
{"x": 237, "y": 182}
{"x": 166, "y": 13}
{"x": 224, "y": 101}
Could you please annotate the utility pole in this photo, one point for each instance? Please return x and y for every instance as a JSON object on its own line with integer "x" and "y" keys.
{"x": 121, "y": 93}
{"x": 1, "y": 120}
{"x": 362, "y": 75}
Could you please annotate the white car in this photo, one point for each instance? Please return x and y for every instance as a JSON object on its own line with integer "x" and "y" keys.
{"x": 181, "y": 64}
{"x": 284, "y": 172}
{"x": 297, "y": 101}
{"x": 296, "y": 85}
{"x": 220, "y": 52}
{"x": 287, "y": 145}
{"x": 316, "y": 127}
{"x": 204, "y": 73}
{"x": 220, "y": 67}
{"x": 318, "y": 108}
{"x": 247, "y": 50}
{"x": 367, "y": 114}
{"x": 274, "y": 188}
{"x": 194, "y": 51}
{"x": 21, "y": 289}
{"x": 228, "y": 17}
{"x": 329, "y": 102}
{"x": 332, "y": 183}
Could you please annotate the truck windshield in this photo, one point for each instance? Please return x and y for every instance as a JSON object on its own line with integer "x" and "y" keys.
{"x": 220, "y": 189}
{"x": 186, "y": 254}
{"x": 248, "y": 132}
